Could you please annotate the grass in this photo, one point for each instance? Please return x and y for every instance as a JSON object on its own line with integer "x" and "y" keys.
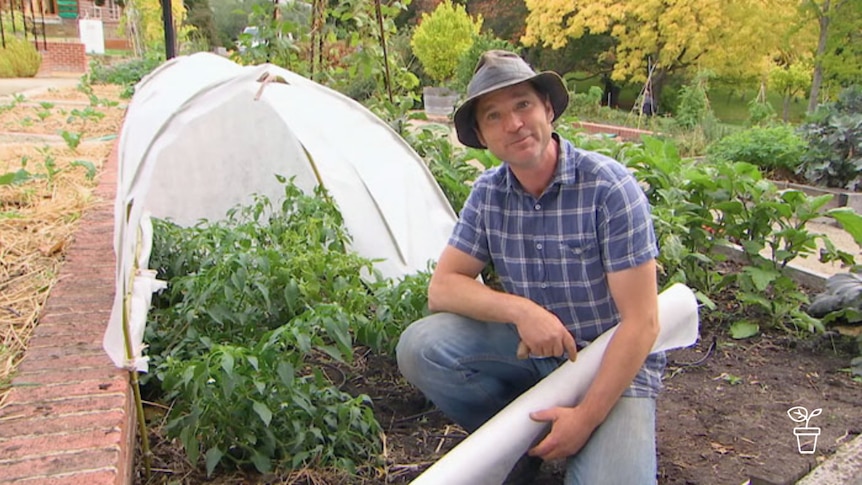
{"x": 729, "y": 104}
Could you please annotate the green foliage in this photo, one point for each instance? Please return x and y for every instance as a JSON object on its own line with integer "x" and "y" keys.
{"x": 19, "y": 58}
{"x": 700, "y": 206}
{"x": 760, "y": 112}
{"x": 693, "y": 107}
{"x": 451, "y": 167}
{"x": 258, "y": 309}
{"x": 271, "y": 40}
{"x": 776, "y": 147}
{"x": 468, "y": 60}
{"x": 834, "y": 135}
{"x": 17, "y": 177}
{"x": 125, "y": 73}
{"x": 586, "y": 104}
{"x": 201, "y": 17}
{"x": 442, "y": 37}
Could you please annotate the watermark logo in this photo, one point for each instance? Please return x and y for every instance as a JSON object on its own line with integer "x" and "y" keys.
{"x": 806, "y": 436}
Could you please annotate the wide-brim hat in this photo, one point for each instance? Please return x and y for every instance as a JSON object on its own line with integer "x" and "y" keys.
{"x": 499, "y": 69}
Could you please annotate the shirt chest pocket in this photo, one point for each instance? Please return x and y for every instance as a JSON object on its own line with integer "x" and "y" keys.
{"x": 580, "y": 259}
{"x": 578, "y": 249}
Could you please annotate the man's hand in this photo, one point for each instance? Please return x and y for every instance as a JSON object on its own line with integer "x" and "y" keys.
{"x": 570, "y": 430}
{"x": 544, "y": 335}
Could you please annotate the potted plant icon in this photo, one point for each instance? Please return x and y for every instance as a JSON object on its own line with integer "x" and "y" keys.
{"x": 804, "y": 444}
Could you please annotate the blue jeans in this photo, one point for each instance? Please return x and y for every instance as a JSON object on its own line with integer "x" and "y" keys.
{"x": 470, "y": 371}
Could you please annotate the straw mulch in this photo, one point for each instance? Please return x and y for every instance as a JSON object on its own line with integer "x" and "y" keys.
{"x": 54, "y": 111}
{"x": 37, "y": 220}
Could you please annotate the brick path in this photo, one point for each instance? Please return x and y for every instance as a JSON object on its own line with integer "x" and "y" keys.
{"x": 70, "y": 418}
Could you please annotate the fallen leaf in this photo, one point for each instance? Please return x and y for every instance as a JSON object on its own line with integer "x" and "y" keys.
{"x": 849, "y": 330}
{"x": 50, "y": 250}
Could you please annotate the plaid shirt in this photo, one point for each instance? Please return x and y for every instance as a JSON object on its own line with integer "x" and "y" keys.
{"x": 556, "y": 250}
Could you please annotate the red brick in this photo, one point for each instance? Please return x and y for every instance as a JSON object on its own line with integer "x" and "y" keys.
{"x": 79, "y": 298}
{"x": 67, "y": 357}
{"x": 45, "y": 466}
{"x": 54, "y": 325}
{"x": 40, "y": 393}
{"x": 22, "y": 427}
{"x": 62, "y": 407}
{"x": 85, "y": 374}
{"x": 28, "y": 447}
{"x": 81, "y": 342}
{"x": 49, "y": 361}
{"x": 97, "y": 477}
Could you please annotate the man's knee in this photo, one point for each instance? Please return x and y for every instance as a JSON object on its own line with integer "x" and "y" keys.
{"x": 416, "y": 344}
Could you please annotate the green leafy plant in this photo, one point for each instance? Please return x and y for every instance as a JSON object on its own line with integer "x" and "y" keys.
{"x": 771, "y": 148}
{"x": 15, "y": 178}
{"x": 44, "y": 110}
{"x": 442, "y": 37}
{"x": 88, "y": 166}
{"x": 760, "y": 112}
{"x": 834, "y": 135}
{"x": 699, "y": 206}
{"x": 258, "y": 306}
{"x": 72, "y": 138}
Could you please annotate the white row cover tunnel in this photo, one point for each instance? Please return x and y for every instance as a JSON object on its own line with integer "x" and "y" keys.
{"x": 203, "y": 134}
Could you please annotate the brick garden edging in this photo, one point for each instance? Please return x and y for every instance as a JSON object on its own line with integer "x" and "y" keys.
{"x": 70, "y": 416}
{"x": 623, "y": 132}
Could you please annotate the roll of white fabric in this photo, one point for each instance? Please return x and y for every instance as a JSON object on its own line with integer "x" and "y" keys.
{"x": 488, "y": 454}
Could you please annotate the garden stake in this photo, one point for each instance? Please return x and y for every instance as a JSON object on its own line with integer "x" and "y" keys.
{"x": 383, "y": 44}
{"x": 136, "y": 385}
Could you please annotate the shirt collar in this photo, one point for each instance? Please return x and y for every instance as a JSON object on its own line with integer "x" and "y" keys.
{"x": 567, "y": 164}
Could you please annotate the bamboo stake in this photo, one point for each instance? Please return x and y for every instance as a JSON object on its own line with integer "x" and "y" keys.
{"x": 136, "y": 385}
{"x": 383, "y": 44}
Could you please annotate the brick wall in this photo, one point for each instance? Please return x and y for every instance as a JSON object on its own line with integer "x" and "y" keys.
{"x": 63, "y": 57}
{"x": 70, "y": 418}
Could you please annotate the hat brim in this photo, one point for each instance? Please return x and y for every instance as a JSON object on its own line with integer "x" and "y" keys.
{"x": 465, "y": 120}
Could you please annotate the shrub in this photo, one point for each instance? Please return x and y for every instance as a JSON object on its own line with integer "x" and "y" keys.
{"x": 442, "y": 37}
{"x": 771, "y": 148}
{"x": 124, "y": 73}
{"x": 468, "y": 60}
{"x": 586, "y": 104}
{"x": 19, "y": 58}
{"x": 834, "y": 135}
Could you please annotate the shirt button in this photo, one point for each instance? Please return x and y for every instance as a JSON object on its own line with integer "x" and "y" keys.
{"x": 539, "y": 246}
{"x": 544, "y": 285}
{"x": 538, "y": 207}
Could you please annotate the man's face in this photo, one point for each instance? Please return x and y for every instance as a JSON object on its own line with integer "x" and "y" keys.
{"x": 515, "y": 124}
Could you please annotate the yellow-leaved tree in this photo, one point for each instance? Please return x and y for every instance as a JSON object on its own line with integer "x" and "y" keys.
{"x": 731, "y": 38}
{"x": 142, "y": 21}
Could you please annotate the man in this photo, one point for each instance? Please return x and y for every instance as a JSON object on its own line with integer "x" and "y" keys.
{"x": 570, "y": 236}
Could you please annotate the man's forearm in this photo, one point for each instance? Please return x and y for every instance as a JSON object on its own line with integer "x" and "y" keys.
{"x": 623, "y": 358}
{"x": 467, "y": 296}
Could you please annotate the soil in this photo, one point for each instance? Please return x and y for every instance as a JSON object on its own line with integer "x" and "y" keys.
{"x": 722, "y": 415}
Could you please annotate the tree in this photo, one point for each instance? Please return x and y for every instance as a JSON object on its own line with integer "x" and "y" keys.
{"x": 842, "y": 61}
{"x": 729, "y": 37}
{"x": 200, "y": 16}
{"x": 148, "y": 25}
{"x": 506, "y": 19}
{"x": 442, "y": 37}
{"x": 790, "y": 80}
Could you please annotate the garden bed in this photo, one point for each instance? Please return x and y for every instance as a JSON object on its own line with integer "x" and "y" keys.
{"x": 722, "y": 416}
